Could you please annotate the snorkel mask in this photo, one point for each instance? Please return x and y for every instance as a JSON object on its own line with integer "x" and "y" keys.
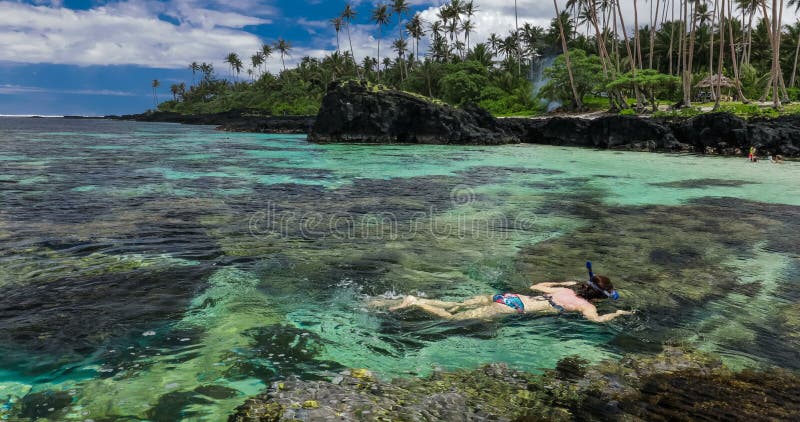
{"x": 613, "y": 295}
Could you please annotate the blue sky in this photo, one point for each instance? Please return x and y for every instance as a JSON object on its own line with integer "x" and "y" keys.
{"x": 95, "y": 57}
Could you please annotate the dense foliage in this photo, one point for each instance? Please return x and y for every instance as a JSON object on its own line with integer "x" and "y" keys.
{"x": 667, "y": 59}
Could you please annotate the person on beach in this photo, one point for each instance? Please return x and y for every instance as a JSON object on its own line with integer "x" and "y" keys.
{"x": 752, "y": 155}
{"x": 557, "y": 298}
{"x": 778, "y": 159}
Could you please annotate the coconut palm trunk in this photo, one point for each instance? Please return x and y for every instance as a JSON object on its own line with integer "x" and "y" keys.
{"x": 711, "y": 43}
{"x": 631, "y": 55}
{"x": 734, "y": 60}
{"x": 601, "y": 46}
{"x": 796, "y": 52}
{"x": 636, "y": 44}
{"x": 770, "y": 32}
{"x": 687, "y": 74}
{"x": 653, "y": 31}
{"x": 519, "y": 52}
{"x": 776, "y": 46}
{"x": 671, "y": 37}
{"x": 692, "y": 38}
{"x": 578, "y": 103}
{"x": 718, "y": 93}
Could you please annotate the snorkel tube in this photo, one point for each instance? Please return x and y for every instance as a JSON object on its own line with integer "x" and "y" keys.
{"x": 613, "y": 295}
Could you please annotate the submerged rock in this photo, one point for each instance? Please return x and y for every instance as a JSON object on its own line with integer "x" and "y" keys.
{"x": 673, "y": 385}
{"x": 359, "y": 112}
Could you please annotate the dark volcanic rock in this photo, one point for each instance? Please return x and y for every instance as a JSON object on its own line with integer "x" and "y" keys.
{"x": 356, "y": 112}
{"x": 234, "y": 120}
{"x": 714, "y": 133}
{"x": 778, "y": 136}
{"x": 619, "y": 132}
{"x": 722, "y": 132}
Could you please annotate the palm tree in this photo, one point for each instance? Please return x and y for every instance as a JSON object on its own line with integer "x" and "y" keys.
{"x": 494, "y": 43}
{"x": 348, "y": 14}
{"x": 232, "y": 59}
{"x": 416, "y": 31}
{"x": 653, "y": 30}
{"x": 207, "y": 69}
{"x": 369, "y": 64}
{"x": 400, "y": 46}
{"x": 470, "y": 9}
{"x": 481, "y": 54}
{"x": 257, "y": 59}
{"x": 337, "y": 23}
{"x": 795, "y": 29}
{"x": 749, "y": 8}
{"x": 637, "y": 51}
{"x": 237, "y": 67}
{"x": 194, "y": 67}
{"x": 718, "y": 93}
{"x": 174, "y": 89}
{"x": 516, "y": 30}
{"x": 400, "y": 8}
{"x": 508, "y": 46}
{"x": 283, "y": 47}
{"x": 266, "y": 52}
{"x": 467, "y": 26}
{"x": 734, "y": 61}
{"x": 381, "y": 17}
{"x": 155, "y": 86}
{"x": 578, "y": 103}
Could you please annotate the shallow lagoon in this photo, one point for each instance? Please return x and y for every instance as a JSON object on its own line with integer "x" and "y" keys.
{"x": 158, "y": 271}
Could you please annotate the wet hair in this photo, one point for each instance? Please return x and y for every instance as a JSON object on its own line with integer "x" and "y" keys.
{"x": 589, "y": 293}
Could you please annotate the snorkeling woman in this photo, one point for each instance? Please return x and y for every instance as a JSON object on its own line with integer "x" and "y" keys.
{"x": 556, "y": 298}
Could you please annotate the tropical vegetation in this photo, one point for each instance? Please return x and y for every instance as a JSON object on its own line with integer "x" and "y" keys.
{"x": 588, "y": 56}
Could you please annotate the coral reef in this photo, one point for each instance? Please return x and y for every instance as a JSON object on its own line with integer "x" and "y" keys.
{"x": 673, "y": 385}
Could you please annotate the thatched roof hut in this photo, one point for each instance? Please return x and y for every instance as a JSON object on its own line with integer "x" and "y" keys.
{"x": 716, "y": 80}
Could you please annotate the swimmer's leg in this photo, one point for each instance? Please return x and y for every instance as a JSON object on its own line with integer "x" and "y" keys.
{"x": 433, "y": 310}
{"x": 472, "y": 302}
{"x": 382, "y": 303}
{"x": 485, "y": 312}
{"x": 412, "y": 301}
{"x": 438, "y": 303}
{"x": 409, "y": 300}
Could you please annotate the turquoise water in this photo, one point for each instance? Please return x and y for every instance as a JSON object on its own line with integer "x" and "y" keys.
{"x": 159, "y": 272}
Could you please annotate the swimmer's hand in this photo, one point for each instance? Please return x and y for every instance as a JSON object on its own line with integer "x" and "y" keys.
{"x": 569, "y": 283}
{"x": 621, "y": 312}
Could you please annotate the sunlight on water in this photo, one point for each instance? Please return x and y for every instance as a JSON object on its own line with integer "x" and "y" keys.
{"x": 192, "y": 268}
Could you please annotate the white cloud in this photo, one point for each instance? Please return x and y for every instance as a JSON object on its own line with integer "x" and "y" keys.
{"x": 19, "y": 89}
{"x": 123, "y": 33}
{"x": 135, "y": 32}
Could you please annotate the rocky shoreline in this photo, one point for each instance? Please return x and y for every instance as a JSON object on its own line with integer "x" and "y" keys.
{"x": 355, "y": 112}
{"x": 233, "y": 121}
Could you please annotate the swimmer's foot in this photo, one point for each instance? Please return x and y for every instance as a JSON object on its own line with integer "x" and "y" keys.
{"x": 407, "y": 302}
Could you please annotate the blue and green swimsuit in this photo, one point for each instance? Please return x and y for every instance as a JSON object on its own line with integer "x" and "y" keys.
{"x": 510, "y": 300}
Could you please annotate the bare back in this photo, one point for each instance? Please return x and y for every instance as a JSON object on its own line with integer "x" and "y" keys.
{"x": 569, "y": 300}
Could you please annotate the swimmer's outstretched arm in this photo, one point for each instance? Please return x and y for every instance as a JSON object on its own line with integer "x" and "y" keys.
{"x": 549, "y": 286}
{"x": 590, "y": 313}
